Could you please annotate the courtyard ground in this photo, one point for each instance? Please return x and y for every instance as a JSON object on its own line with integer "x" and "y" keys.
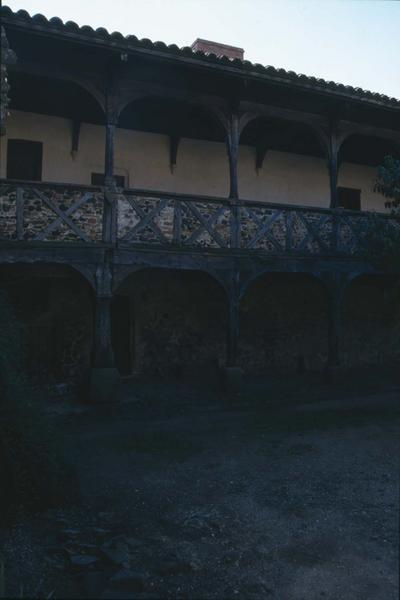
{"x": 289, "y": 492}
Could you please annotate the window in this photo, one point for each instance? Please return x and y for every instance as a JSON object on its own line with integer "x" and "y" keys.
{"x": 98, "y": 179}
{"x": 24, "y": 160}
{"x": 349, "y": 198}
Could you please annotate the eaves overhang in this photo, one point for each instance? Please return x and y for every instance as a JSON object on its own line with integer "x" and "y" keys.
{"x": 130, "y": 44}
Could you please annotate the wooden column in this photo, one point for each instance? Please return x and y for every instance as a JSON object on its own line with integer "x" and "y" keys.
{"x": 103, "y": 356}
{"x": 335, "y": 324}
{"x": 233, "y": 154}
{"x": 233, "y": 324}
{"x": 111, "y": 124}
{"x": 337, "y": 284}
{"x": 109, "y": 214}
{"x": 333, "y": 167}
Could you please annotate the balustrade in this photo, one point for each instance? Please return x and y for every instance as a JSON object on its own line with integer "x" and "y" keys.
{"x": 47, "y": 212}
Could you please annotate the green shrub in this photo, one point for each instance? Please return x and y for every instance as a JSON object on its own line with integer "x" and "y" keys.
{"x": 382, "y": 241}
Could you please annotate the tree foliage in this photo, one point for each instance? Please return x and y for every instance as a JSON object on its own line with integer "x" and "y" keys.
{"x": 388, "y": 181}
{"x": 382, "y": 239}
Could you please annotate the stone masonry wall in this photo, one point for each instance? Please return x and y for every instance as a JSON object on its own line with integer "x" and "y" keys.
{"x": 180, "y": 322}
{"x": 37, "y": 215}
{"x": 56, "y": 323}
{"x": 284, "y": 324}
{"x": 371, "y": 327}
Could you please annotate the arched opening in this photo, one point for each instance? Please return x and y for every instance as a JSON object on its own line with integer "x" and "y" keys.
{"x": 284, "y": 324}
{"x": 371, "y": 321}
{"x": 53, "y": 306}
{"x": 282, "y": 161}
{"x": 172, "y": 146}
{"x": 65, "y": 119}
{"x": 359, "y": 159}
{"x": 168, "y": 322}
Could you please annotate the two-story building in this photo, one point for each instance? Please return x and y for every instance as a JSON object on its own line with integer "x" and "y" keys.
{"x": 170, "y": 210}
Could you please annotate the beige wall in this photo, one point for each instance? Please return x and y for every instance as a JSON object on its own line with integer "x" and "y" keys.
{"x": 202, "y": 167}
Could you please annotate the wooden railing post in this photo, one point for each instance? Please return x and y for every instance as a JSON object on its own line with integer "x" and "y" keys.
{"x": 235, "y": 217}
{"x": 335, "y": 231}
{"x": 177, "y": 226}
{"x": 110, "y": 214}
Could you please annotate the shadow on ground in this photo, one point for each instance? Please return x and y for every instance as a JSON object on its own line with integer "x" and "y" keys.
{"x": 288, "y": 491}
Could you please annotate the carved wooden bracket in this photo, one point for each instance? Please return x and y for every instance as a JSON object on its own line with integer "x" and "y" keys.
{"x": 76, "y": 130}
{"x": 174, "y": 140}
{"x": 261, "y": 151}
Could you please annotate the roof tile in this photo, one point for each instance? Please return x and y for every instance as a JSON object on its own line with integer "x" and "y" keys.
{"x": 132, "y": 41}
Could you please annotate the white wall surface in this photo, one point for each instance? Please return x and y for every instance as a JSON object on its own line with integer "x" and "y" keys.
{"x": 202, "y": 167}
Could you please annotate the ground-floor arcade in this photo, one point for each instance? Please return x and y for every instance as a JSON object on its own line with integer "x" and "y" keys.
{"x": 180, "y": 323}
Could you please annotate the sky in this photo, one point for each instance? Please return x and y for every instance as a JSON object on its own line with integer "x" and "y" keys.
{"x": 355, "y": 42}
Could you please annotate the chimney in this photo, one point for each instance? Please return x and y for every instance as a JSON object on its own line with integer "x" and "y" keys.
{"x": 209, "y": 47}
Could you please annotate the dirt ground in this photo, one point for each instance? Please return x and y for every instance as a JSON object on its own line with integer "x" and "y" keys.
{"x": 288, "y": 493}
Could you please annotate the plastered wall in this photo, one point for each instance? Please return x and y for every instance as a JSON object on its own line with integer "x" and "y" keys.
{"x": 202, "y": 167}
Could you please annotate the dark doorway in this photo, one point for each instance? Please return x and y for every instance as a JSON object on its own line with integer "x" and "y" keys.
{"x": 24, "y": 160}
{"x": 123, "y": 333}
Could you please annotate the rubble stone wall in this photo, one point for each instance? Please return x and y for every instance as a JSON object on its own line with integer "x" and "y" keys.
{"x": 37, "y": 215}
{"x": 55, "y": 314}
{"x": 180, "y": 322}
{"x": 371, "y": 325}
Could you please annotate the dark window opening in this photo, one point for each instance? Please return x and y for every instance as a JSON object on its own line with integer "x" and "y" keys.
{"x": 24, "y": 160}
{"x": 98, "y": 179}
{"x": 349, "y": 198}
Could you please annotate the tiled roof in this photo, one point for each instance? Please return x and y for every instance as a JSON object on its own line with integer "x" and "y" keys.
{"x": 132, "y": 42}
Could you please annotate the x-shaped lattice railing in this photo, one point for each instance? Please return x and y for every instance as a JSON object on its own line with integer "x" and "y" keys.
{"x": 206, "y": 225}
{"x": 63, "y": 216}
{"x": 146, "y": 220}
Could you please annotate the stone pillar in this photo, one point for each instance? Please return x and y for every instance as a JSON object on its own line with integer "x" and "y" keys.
{"x": 104, "y": 376}
{"x": 233, "y": 154}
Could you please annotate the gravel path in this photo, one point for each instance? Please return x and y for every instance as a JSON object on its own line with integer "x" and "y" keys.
{"x": 206, "y": 499}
